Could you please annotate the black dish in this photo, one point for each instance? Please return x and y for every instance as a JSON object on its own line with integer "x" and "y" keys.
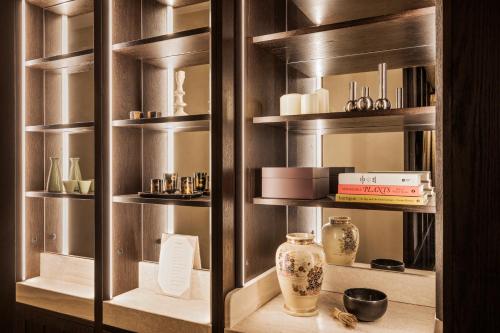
{"x": 388, "y": 265}
{"x": 366, "y": 304}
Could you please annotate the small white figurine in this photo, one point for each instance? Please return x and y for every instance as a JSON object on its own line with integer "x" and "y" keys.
{"x": 179, "y": 93}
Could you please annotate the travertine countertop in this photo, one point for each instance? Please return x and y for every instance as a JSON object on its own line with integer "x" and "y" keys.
{"x": 400, "y": 317}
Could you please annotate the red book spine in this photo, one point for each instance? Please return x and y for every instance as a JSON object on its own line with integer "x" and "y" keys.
{"x": 409, "y": 191}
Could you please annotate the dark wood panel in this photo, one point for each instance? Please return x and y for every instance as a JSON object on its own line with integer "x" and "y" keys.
{"x": 333, "y": 11}
{"x": 329, "y": 203}
{"x": 34, "y": 97}
{"x": 190, "y": 123}
{"x": 34, "y": 236}
{"x": 179, "y": 43}
{"x": 182, "y": 60}
{"x": 154, "y": 224}
{"x": 80, "y": 59}
{"x": 154, "y": 18}
{"x": 52, "y": 225}
{"x": 136, "y": 199}
{"x": 34, "y": 20}
{"x": 126, "y": 11}
{"x": 52, "y": 32}
{"x": 33, "y": 320}
{"x": 87, "y": 126}
{"x": 43, "y": 194}
{"x": 470, "y": 136}
{"x": 126, "y": 247}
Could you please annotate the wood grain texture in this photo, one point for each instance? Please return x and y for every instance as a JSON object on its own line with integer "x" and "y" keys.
{"x": 154, "y": 224}
{"x": 126, "y": 11}
{"x": 34, "y": 35}
{"x": 189, "y": 123}
{"x": 180, "y": 3}
{"x": 52, "y": 27}
{"x": 34, "y": 238}
{"x": 64, "y": 7}
{"x": 80, "y": 59}
{"x": 136, "y": 199}
{"x": 471, "y": 128}
{"x": 333, "y": 11}
{"x": 80, "y": 127}
{"x": 34, "y": 97}
{"x": 154, "y": 18}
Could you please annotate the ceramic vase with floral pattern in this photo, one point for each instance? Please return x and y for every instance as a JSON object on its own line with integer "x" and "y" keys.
{"x": 299, "y": 264}
{"x": 340, "y": 240}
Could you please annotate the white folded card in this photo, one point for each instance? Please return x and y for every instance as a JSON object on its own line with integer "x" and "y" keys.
{"x": 178, "y": 255}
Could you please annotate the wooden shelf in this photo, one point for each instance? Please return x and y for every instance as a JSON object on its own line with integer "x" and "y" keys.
{"x": 181, "y": 3}
{"x": 401, "y": 40}
{"x": 421, "y": 118}
{"x": 328, "y": 203}
{"x": 65, "y": 7}
{"x": 180, "y": 49}
{"x": 74, "y": 61}
{"x": 334, "y": 11}
{"x": 190, "y": 123}
{"x": 63, "y": 128}
{"x": 136, "y": 199}
{"x": 44, "y": 194}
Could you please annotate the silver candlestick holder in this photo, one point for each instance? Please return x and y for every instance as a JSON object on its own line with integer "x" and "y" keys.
{"x": 365, "y": 102}
{"x": 350, "y": 106}
{"x": 382, "y": 103}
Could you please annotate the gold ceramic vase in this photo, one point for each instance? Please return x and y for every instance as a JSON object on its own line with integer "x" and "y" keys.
{"x": 340, "y": 240}
{"x": 299, "y": 264}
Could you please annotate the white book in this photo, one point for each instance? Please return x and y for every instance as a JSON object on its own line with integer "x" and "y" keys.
{"x": 425, "y": 176}
{"x": 388, "y": 179}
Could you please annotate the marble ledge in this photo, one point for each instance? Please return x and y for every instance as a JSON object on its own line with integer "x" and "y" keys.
{"x": 400, "y": 317}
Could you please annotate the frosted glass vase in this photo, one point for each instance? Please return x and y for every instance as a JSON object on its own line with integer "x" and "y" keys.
{"x": 74, "y": 170}
{"x": 54, "y": 183}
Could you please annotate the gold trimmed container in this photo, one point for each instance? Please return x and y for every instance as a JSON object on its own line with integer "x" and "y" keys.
{"x": 340, "y": 240}
{"x": 299, "y": 264}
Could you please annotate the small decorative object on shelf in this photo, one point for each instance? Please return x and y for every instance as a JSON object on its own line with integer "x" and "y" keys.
{"x": 54, "y": 183}
{"x": 134, "y": 115}
{"x": 153, "y": 114}
{"x": 309, "y": 103}
{"x": 290, "y": 104}
{"x": 365, "y": 102}
{"x": 70, "y": 186}
{"x": 156, "y": 185}
{"x": 340, "y": 240}
{"x": 382, "y": 103}
{"x": 187, "y": 185}
{"x": 200, "y": 181}
{"x": 206, "y": 191}
{"x": 399, "y": 98}
{"x": 346, "y": 318}
{"x": 350, "y": 106}
{"x": 366, "y": 304}
{"x": 170, "y": 182}
{"x": 323, "y": 96}
{"x": 84, "y": 186}
{"x": 74, "y": 170}
{"x": 295, "y": 183}
{"x": 92, "y": 186}
{"x": 388, "y": 264}
{"x": 179, "y": 93}
{"x": 299, "y": 265}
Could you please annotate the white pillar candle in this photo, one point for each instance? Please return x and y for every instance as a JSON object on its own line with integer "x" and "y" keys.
{"x": 323, "y": 100}
{"x": 309, "y": 103}
{"x": 290, "y": 104}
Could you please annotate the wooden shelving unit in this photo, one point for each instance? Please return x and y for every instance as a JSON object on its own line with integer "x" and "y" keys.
{"x": 329, "y": 49}
{"x": 62, "y": 128}
{"x": 190, "y": 123}
{"x": 136, "y": 199}
{"x": 329, "y": 203}
{"x": 397, "y": 120}
{"x": 65, "y": 7}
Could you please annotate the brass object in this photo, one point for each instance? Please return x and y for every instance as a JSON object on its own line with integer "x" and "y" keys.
{"x": 350, "y": 106}
{"x": 187, "y": 185}
{"x": 156, "y": 186}
{"x": 207, "y": 186}
{"x": 365, "y": 103}
{"x": 200, "y": 181}
{"x": 170, "y": 181}
{"x": 382, "y": 103}
{"x": 153, "y": 114}
{"x": 134, "y": 115}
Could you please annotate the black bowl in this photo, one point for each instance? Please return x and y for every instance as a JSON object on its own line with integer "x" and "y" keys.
{"x": 388, "y": 264}
{"x": 366, "y": 304}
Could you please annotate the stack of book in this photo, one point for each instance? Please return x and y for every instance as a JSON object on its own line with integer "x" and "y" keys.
{"x": 398, "y": 188}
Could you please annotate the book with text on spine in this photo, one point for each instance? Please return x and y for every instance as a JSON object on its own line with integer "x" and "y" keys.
{"x": 392, "y": 179}
{"x": 412, "y": 191}
{"x": 382, "y": 199}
